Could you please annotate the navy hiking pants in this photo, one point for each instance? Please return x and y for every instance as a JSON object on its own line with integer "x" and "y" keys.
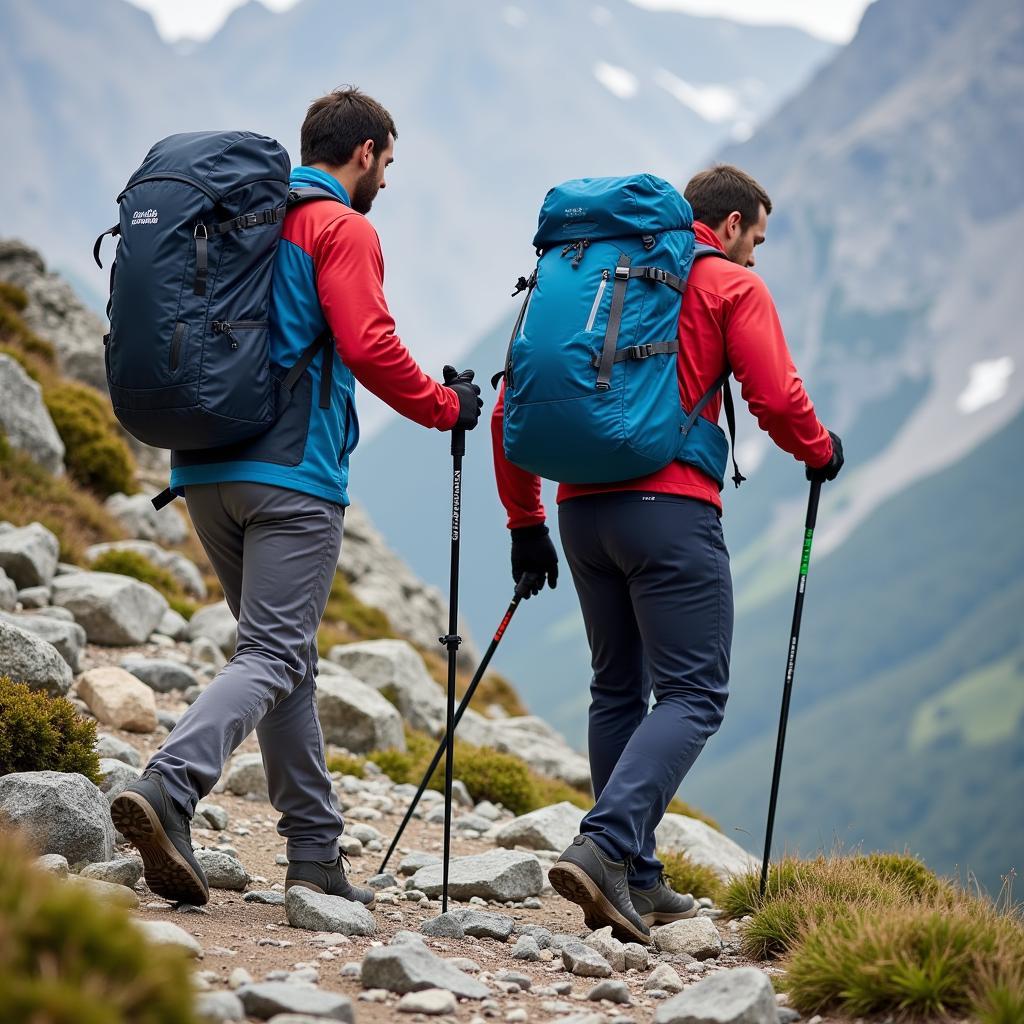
{"x": 652, "y": 575}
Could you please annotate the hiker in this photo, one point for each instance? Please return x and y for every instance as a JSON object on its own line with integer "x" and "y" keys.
{"x": 270, "y": 511}
{"x": 650, "y": 564}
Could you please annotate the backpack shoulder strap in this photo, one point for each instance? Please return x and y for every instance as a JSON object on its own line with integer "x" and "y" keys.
{"x": 305, "y": 192}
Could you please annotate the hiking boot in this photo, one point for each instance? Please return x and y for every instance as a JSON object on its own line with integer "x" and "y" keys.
{"x": 327, "y": 877}
{"x": 597, "y": 884}
{"x": 149, "y": 819}
{"x": 662, "y": 904}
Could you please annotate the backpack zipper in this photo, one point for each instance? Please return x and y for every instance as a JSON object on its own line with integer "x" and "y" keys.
{"x": 172, "y": 176}
{"x": 597, "y": 300}
{"x": 228, "y": 327}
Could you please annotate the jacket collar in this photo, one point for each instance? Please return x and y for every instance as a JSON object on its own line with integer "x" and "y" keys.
{"x": 705, "y": 236}
{"x": 305, "y": 176}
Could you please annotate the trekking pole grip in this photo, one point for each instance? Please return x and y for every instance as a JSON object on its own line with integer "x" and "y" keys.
{"x": 458, "y": 443}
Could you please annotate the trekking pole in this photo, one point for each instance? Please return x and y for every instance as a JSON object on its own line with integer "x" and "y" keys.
{"x": 787, "y": 689}
{"x": 522, "y": 589}
{"x": 452, "y": 641}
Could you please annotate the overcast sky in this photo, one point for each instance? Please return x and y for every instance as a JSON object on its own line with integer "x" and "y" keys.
{"x": 835, "y": 20}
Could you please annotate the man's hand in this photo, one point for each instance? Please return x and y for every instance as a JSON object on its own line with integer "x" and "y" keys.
{"x": 534, "y": 555}
{"x": 470, "y": 402}
{"x": 831, "y": 468}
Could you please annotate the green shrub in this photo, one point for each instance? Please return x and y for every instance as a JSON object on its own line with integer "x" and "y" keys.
{"x": 677, "y": 806}
{"x": 347, "y": 764}
{"x": 998, "y": 996}
{"x": 28, "y": 493}
{"x": 67, "y": 958}
{"x": 43, "y": 733}
{"x": 911, "y": 958}
{"x": 96, "y": 455}
{"x": 910, "y": 871}
{"x": 686, "y": 876}
{"x": 13, "y": 296}
{"x": 131, "y": 563}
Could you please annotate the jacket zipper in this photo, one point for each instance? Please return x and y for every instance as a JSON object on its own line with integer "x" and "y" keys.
{"x": 597, "y": 300}
{"x": 176, "y": 339}
{"x": 228, "y": 327}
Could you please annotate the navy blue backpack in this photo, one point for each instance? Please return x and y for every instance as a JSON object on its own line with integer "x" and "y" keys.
{"x": 188, "y": 353}
{"x": 591, "y": 378}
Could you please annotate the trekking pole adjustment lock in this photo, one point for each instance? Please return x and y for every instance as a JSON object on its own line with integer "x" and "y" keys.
{"x": 450, "y": 640}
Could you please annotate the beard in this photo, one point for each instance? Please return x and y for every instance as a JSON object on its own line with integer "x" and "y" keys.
{"x": 366, "y": 191}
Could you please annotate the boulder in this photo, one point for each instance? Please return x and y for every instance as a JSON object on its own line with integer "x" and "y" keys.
{"x": 114, "y": 610}
{"x": 704, "y": 845}
{"x": 265, "y": 999}
{"x": 496, "y": 875}
{"x": 356, "y": 716}
{"x": 160, "y": 674}
{"x": 184, "y": 570}
{"x": 24, "y": 419}
{"x": 743, "y": 995}
{"x": 60, "y": 812}
{"x": 33, "y": 598}
{"x": 411, "y": 967}
{"x": 216, "y": 623}
{"x": 28, "y": 554}
{"x": 108, "y": 892}
{"x": 246, "y": 774}
{"x": 136, "y": 514}
{"x": 548, "y": 828}
{"x": 173, "y": 625}
{"x": 34, "y": 662}
{"x": 396, "y": 669}
{"x": 67, "y": 637}
{"x": 117, "y": 698}
{"x": 320, "y": 912}
{"x": 544, "y": 749}
{"x": 696, "y": 936}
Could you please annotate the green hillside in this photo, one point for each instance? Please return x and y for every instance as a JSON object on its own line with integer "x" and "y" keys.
{"x": 907, "y": 724}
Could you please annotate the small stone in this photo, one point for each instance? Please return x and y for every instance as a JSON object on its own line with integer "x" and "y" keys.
{"x": 409, "y": 966}
{"x": 160, "y": 674}
{"x": 532, "y": 903}
{"x": 787, "y": 1015}
{"x": 363, "y": 832}
{"x": 517, "y": 1016}
{"x": 610, "y": 948}
{"x": 123, "y": 871}
{"x": 665, "y": 978}
{"x": 111, "y": 747}
{"x": 584, "y": 961}
{"x": 117, "y": 698}
{"x": 637, "y": 957}
{"x": 320, "y": 912}
{"x": 246, "y": 774}
{"x": 350, "y": 846}
{"x": 696, "y": 936}
{"x": 482, "y": 924}
{"x": 463, "y": 963}
{"x": 215, "y": 815}
{"x": 239, "y": 977}
{"x": 215, "y": 1007}
{"x": 613, "y": 990}
{"x": 431, "y": 1001}
{"x": 443, "y": 926}
{"x": 167, "y": 934}
{"x": 382, "y": 881}
{"x": 523, "y": 981}
{"x": 526, "y": 948}
{"x": 266, "y": 897}
{"x": 498, "y": 874}
{"x": 265, "y": 999}
{"x": 222, "y": 870}
{"x": 743, "y": 995}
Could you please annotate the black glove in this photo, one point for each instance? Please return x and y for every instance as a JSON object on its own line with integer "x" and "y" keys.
{"x": 831, "y": 468}
{"x": 535, "y": 556}
{"x": 470, "y": 402}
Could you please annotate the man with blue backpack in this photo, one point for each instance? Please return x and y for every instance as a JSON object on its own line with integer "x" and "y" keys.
{"x": 641, "y": 306}
{"x": 245, "y": 304}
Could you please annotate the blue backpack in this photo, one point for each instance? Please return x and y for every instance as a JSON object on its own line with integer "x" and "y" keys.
{"x": 188, "y": 353}
{"x": 591, "y": 379}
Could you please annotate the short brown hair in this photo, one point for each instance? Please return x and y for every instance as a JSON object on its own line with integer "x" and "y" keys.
{"x": 337, "y": 123}
{"x": 718, "y": 191}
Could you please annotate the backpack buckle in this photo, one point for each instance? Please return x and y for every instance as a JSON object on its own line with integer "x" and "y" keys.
{"x": 248, "y": 220}
{"x": 656, "y": 274}
{"x": 644, "y": 351}
{"x": 622, "y": 273}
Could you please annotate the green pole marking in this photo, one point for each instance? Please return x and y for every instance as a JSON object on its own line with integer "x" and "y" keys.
{"x": 805, "y": 561}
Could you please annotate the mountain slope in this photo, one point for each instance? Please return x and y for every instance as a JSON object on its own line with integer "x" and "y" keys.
{"x": 492, "y": 108}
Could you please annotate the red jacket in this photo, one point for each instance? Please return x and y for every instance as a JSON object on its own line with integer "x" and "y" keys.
{"x": 727, "y": 315}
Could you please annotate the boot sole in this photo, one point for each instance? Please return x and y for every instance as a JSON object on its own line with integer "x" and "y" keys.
{"x": 655, "y": 919}
{"x": 167, "y": 872}
{"x": 575, "y": 885}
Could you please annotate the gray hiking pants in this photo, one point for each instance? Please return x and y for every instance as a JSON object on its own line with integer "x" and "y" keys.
{"x": 275, "y": 552}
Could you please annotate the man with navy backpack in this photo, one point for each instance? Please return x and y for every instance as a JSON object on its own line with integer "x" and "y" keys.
{"x": 269, "y": 510}
{"x": 647, "y": 554}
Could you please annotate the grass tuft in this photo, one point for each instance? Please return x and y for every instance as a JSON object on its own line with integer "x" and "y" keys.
{"x": 684, "y": 875}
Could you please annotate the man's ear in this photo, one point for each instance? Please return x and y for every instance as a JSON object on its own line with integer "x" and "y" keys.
{"x": 733, "y": 224}
{"x": 366, "y": 154}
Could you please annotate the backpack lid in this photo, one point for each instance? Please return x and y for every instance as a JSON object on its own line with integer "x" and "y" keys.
{"x": 594, "y": 208}
{"x": 216, "y": 162}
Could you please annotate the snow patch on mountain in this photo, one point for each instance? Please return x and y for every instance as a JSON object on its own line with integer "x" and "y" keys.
{"x": 988, "y": 382}
{"x": 715, "y": 103}
{"x": 618, "y": 81}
